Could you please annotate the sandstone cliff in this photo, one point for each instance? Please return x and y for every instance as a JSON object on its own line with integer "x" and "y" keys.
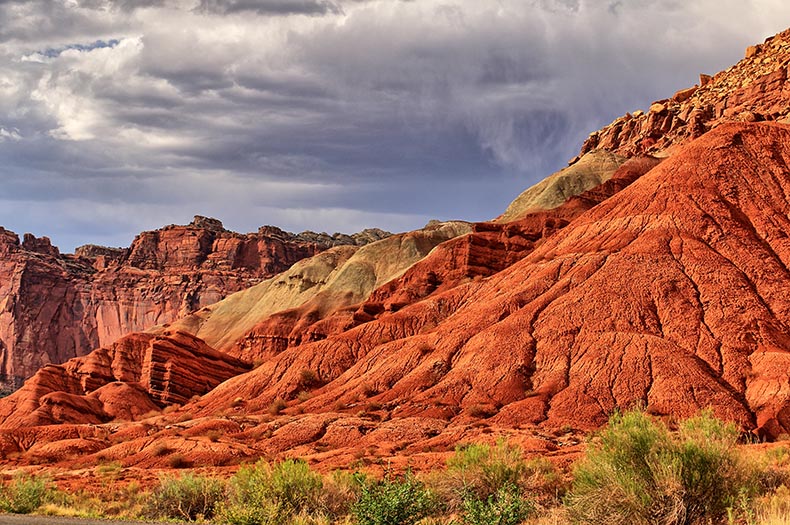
{"x": 137, "y": 374}
{"x": 54, "y": 307}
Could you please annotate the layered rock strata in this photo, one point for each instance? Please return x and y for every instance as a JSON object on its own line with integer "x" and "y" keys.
{"x": 139, "y": 373}
{"x": 54, "y": 307}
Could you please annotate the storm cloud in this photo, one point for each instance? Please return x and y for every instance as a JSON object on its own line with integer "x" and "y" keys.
{"x": 118, "y": 116}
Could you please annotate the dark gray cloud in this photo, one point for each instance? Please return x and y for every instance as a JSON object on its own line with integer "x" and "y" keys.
{"x": 270, "y": 7}
{"x": 123, "y": 5}
{"x": 117, "y": 116}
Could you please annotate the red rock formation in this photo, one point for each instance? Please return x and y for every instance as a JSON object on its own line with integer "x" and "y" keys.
{"x": 489, "y": 249}
{"x": 54, "y": 307}
{"x": 671, "y": 293}
{"x": 666, "y": 286}
{"x": 137, "y": 374}
{"x": 753, "y": 90}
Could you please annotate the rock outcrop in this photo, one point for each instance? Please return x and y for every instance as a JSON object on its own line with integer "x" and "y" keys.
{"x": 287, "y": 310}
{"x": 54, "y": 307}
{"x": 137, "y": 374}
{"x": 652, "y": 272}
{"x": 591, "y": 170}
{"x": 753, "y": 90}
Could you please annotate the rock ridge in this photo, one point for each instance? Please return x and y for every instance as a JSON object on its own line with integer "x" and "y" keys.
{"x": 57, "y": 306}
{"x": 753, "y": 90}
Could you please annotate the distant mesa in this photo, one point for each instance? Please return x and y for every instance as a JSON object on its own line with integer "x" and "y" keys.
{"x": 59, "y": 306}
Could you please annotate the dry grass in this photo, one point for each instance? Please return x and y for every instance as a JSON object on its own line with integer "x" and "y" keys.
{"x": 774, "y": 509}
{"x": 178, "y": 460}
{"x": 124, "y": 502}
{"x": 309, "y": 379}
{"x": 482, "y": 412}
{"x": 277, "y": 406}
{"x": 303, "y": 396}
{"x": 555, "y": 516}
{"x": 161, "y": 449}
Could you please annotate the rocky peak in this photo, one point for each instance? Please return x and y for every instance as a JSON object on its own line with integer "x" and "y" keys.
{"x": 369, "y": 235}
{"x": 755, "y": 89}
{"x": 207, "y": 223}
{"x": 41, "y": 245}
{"x": 101, "y": 257}
{"x": 273, "y": 231}
{"x": 9, "y": 241}
{"x": 362, "y": 238}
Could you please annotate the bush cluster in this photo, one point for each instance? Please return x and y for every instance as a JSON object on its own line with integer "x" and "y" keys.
{"x": 187, "y": 497}
{"x": 24, "y": 494}
{"x": 393, "y": 501}
{"x": 640, "y": 473}
{"x": 504, "y": 507}
{"x": 262, "y": 493}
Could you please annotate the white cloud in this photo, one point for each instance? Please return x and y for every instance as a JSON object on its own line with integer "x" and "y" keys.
{"x": 9, "y": 134}
{"x": 71, "y": 89}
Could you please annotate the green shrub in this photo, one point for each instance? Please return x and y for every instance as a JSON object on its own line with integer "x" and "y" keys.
{"x": 480, "y": 471}
{"x": 262, "y": 494}
{"x": 187, "y": 497}
{"x": 24, "y": 494}
{"x": 641, "y": 474}
{"x": 402, "y": 501}
{"x": 505, "y": 507}
{"x": 260, "y": 513}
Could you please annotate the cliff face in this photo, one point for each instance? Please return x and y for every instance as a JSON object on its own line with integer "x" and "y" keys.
{"x": 54, "y": 307}
{"x": 41, "y": 306}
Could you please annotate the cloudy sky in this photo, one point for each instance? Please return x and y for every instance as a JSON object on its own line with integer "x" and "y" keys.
{"x": 332, "y": 115}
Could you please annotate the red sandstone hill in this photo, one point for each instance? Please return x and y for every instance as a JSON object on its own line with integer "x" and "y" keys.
{"x": 672, "y": 293}
{"x": 620, "y": 280}
{"x": 54, "y": 307}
